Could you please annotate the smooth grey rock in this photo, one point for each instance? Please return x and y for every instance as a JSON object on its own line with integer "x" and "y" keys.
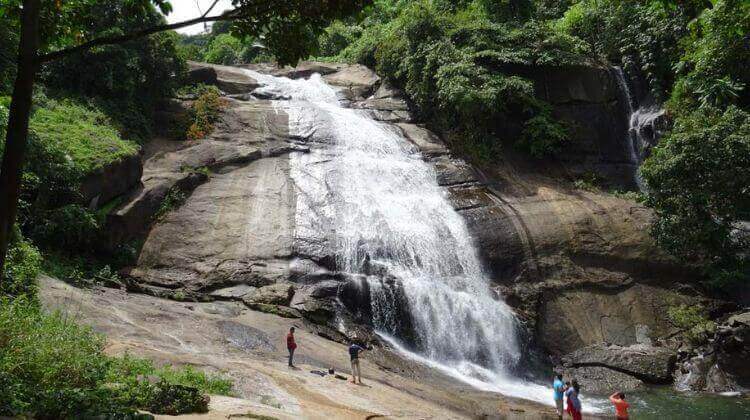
{"x": 111, "y": 180}
{"x": 601, "y": 380}
{"x": 274, "y": 294}
{"x": 647, "y": 363}
{"x": 428, "y": 143}
{"x": 234, "y": 292}
{"x": 229, "y": 79}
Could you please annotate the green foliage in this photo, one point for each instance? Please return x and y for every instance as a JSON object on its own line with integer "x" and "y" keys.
{"x": 51, "y": 367}
{"x": 224, "y": 49}
{"x": 692, "y": 320}
{"x": 71, "y": 227}
{"x": 22, "y": 266}
{"x": 8, "y": 52}
{"x": 128, "y": 80}
{"x": 83, "y": 135}
{"x": 174, "y": 199}
{"x": 456, "y": 62}
{"x": 642, "y": 36}
{"x": 3, "y": 119}
{"x": 698, "y": 177}
{"x": 337, "y": 37}
{"x": 204, "y": 112}
{"x": 67, "y": 141}
{"x": 714, "y": 68}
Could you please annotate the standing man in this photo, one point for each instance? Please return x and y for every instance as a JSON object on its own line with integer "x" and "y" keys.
{"x": 291, "y": 345}
{"x": 354, "y": 350}
{"x": 559, "y": 389}
{"x": 621, "y": 407}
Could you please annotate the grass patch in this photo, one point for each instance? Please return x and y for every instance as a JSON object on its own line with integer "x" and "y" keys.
{"x": 84, "y": 135}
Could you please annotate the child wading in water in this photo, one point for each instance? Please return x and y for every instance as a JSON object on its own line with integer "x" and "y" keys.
{"x": 621, "y": 406}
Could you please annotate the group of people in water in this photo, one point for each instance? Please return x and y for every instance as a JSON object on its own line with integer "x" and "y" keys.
{"x": 354, "y": 351}
{"x": 570, "y": 390}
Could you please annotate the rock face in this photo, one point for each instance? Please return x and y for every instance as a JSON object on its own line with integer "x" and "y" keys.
{"x": 587, "y": 98}
{"x": 720, "y": 363}
{"x": 578, "y": 266}
{"x": 110, "y": 181}
{"x": 647, "y": 363}
{"x": 231, "y": 80}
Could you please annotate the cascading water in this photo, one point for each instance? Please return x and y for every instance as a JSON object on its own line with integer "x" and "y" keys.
{"x": 643, "y": 131}
{"x": 366, "y": 189}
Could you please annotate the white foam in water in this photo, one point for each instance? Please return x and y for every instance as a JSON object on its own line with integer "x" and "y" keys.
{"x": 367, "y": 190}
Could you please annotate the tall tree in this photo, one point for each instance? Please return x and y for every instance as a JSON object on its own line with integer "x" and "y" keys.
{"x": 51, "y": 29}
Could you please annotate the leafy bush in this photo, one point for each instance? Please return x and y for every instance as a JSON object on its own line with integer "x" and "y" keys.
{"x": 51, "y": 367}
{"x": 205, "y": 112}
{"x": 224, "y": 49}
{"x": 697, "y": 178}
{"x": 714, "y": 67}
{"x": 22, "y": 266}
{"x": 126, "y": 81}
{"x": 692, "y": 320}
{"x": 70, "y": 227}
{"x": 336, "y": 38}
{"x": 642, "y": 36}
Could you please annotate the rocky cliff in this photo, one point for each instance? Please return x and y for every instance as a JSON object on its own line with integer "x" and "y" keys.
{"x": 578, "y": 266}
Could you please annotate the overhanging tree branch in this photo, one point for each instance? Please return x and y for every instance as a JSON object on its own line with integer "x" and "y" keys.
{"x": 118, "y": 39}
{"x": 210, "y": 8}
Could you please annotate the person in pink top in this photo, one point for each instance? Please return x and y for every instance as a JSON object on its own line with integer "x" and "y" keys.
{"x": 291, "y": 345}
{"x": 621, "y": 406}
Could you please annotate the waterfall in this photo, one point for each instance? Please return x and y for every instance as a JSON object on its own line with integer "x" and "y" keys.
{"x": 643, "y": 131}
{"x": 368, "y": 191}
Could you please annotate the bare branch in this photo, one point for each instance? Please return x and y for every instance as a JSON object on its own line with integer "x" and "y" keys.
{"x": 210, "y": 8}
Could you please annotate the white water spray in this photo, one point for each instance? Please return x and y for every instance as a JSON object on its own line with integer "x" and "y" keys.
{"x": 642, "y": 130}
{"x": 366, "y": 189}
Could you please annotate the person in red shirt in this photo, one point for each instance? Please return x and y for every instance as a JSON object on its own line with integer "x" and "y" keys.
{"x": 621, "y": 407}
{"x": 291, "y": 345}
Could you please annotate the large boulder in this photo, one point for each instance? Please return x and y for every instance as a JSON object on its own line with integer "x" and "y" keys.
{"x": 111, "y": 180}
{"x": 229, "y": 79}
{"x": 602, "y": 380}
{"x": 625, "y": 313}
{"x": 647, "y": 363}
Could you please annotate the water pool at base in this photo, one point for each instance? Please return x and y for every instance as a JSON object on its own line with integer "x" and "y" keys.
{"x": 665, "y": 403}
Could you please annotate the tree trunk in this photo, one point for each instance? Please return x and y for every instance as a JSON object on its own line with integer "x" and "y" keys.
{"x": 18, "y": 125}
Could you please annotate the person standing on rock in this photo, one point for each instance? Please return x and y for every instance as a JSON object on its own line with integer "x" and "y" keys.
{"x": 621, "y": 406}
{"x": 574, "y": 404}
{"x": 291, "y": 345}
{"x": 354, "y": 350}
{"x": 559, "y": 389}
